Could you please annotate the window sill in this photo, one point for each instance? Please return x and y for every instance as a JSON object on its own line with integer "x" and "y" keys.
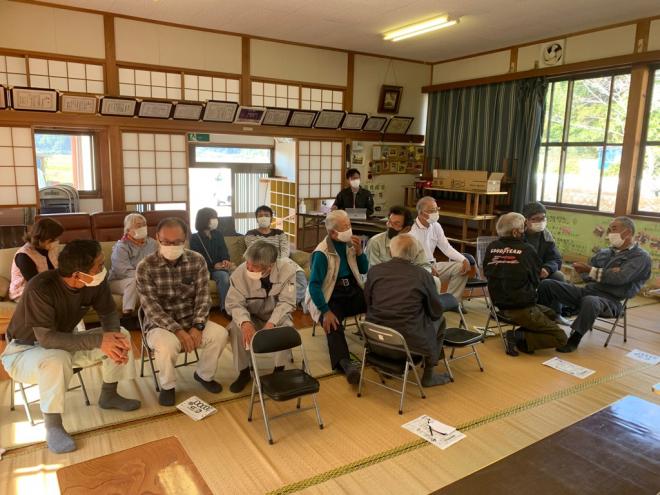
{"x": 579, "y": 210}
{"x": 645, "y": 217}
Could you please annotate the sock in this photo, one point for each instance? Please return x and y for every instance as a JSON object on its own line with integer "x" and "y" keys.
{"x": 110, "y": 399}
{"x": 59, "y": 441}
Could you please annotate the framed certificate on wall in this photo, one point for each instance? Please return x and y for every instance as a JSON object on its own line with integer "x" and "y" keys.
{"x": 35, "y": 100}
{"x": 375, "y": 124}
{"x": 118, "y": 107}
{"x": 276, "y": 116}
{"x": 187, "y": 111}
{"x": 250, "y": 115}
{"x": 155, "y": 109}
{"x": 220, "y": 111}
{"x": 354, "y": 121}
{"x": 84, "y": 104}
{"x": 398, "y": 125}
{"x": 302, "y": 118}
{"x": 329, "y": 119}
{"x": 3, "y": 97}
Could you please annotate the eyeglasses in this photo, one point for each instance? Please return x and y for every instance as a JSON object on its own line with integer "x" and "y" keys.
{"x": 171, "y": 243}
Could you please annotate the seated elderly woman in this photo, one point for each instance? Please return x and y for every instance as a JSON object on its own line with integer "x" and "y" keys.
{"x": 127, "y": 252}
{"x": 280, "y": 240}
{"x": 262, "y": 295}
{"x": 415, "y": 312}
{"x": 513, "y": 270}
{"x": 38, "y": 254}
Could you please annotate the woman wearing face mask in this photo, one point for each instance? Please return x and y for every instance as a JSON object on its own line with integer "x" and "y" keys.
{"x": 280, "y": 240}
{"x": 210, "y": 243}
{"x": 127, "y": 252}
{"x": 542, "y": 241}
{"x": 354, "y": 196}
{"x": 38, "y": 254}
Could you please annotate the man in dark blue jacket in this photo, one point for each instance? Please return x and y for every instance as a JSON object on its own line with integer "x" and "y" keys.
{"x": 540, "y": 238}
{"x": 614, "y": 274}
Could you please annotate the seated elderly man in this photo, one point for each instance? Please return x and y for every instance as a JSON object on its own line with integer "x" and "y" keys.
{"x": 44, "y": 347}
{"x": 513, "y": 269}
{"x": 614, "y": 274}
{"x": 173, "y": 284}
{"x": 429, "y": 233}
{"x": 335, "y": 288}
{"x": 399, "y": 221}
{"x": 127, "y": 252}
{"x": 415, "y": 312}
{"x": 540, "y": 238}
{"x": 262, "y": 295}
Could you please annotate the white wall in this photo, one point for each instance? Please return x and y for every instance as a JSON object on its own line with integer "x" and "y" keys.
{"x": 91, "y": 205}
{"x": 241, "y": 139}
{"x": 285, "y": 159}
{"x": 370, "y": 73}
{"x": 491, "y": 64}
{"x": 51, "y": 30}
{"x": 654, "y": 35}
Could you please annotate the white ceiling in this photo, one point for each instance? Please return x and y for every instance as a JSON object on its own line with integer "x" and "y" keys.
{"x": 357, "y": 24}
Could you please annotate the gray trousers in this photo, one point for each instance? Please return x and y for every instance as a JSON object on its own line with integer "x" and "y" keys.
{"x": 241, "y": 355}
{"x": 554, "y": 294}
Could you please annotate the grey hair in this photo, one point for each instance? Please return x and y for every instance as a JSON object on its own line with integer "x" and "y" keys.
{"x": 508, "y": 222}
{"x": 332, "y": 219}
{"x": 626, "y": 222}
{"x": 423, "y": 200}
{"x": 261, "y": 253}
{"x": 405, "y": 246}
{"x": 130, "y": 219}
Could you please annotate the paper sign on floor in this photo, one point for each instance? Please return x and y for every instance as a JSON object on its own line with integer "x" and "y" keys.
{"x": 196, "y": 408}
{"x": 433, "y": 431}
{"x": 644, "y": 357}
{"x": 570, "y": 368}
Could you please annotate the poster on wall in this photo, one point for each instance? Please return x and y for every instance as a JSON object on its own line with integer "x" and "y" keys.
{"x": 35, "y": 100}
{"x": 155, "y": 109}
{"x": 329, "y": 119}
{"x": 122, "y": 107}
{"x": 354, "y": 121}
{"x": 375, "y": 124}
{"x": 220, "y": 111}
{"x": 79, "y": 104}
{"x": 187, "y": 111}
{"x": 250, "y": 115}
{"x": 276, "y": 116}
{"x": 302, "y": 118}
{"x": 398, "y": 125}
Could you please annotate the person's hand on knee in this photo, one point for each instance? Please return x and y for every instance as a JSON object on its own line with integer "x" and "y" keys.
{"x": 116, "y": 346}
{"x": 248, "y": 330}
{"x": 330, "y": 322}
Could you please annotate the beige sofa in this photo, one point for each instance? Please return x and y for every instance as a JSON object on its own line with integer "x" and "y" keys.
{"x": 235, "y": 245}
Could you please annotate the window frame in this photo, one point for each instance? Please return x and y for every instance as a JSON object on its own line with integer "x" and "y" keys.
{"x": 644, "y": 142}
{"x": 565, "y": 143}
{"x": 96, "y": 166}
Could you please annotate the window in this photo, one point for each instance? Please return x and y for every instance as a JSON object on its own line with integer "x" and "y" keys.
{"x": 581, "y": 142}
{"x": 12, "y": 71}
{"x": 66, "y": 76}
{"x": 296, "y": 96}
{"x": 17, "y": 181}
{"x": 202, "y": 88}
{"x": 648, "y": 190}
{"x": 321, "y": 99}
{"x": 218, "y": 154}
{"x": 149, "y": 84}
{"x": 66, "y": 158}
{"x": 319, "y": 168}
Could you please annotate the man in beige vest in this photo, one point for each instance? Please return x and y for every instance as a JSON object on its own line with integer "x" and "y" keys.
{"x": 335, "y": 288}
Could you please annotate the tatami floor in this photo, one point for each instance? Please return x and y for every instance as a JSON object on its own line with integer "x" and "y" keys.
{"x": 363, "y": 449}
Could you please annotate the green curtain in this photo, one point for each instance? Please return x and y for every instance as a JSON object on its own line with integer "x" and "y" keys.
{"x": 479, "y": 127}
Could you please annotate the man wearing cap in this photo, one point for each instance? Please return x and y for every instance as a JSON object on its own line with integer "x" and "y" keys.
{"x": 540, "y": 238}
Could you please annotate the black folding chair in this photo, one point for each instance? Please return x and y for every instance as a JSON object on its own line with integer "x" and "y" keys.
{"x": 26, "y": 403}
{"x": 456, "y": 338}
{"x": 147, "y": 354}
{"x": 281, "y": 385}
{"x": 355, "y": 323}
{"x": 614, "y": 324}
{"x": 394, "y": 359}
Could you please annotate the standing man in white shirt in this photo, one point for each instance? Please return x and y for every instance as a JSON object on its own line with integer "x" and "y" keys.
{"x": 429, "y": 233}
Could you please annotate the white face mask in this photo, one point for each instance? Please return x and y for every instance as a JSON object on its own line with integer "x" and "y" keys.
{"x": 263, "y": 222}
{"x": 140, "y": 233}
{"x": 538, "y": 226}
{"x": 616, "y": 241}
{"x": 433, "y": 217}
{"x": 355, "y": 183}
{"x": 171, "y": 252}
{"x": 96, "y": 279}
{"x": 345, "y": 236}
{"x": 213, "y": 223}
{"x": 254, "y": 275}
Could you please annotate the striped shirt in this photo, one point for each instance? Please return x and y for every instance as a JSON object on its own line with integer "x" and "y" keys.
{"x": 276, "y": 237}
{"x": 174, "y": 295}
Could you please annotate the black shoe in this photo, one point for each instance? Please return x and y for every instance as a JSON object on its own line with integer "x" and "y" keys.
{"x": 510, "y": 340}
{"x": 277, "y": 369}
{"x": 572, "y": 344}
{"x": 351, "y": 370}
{"x": 243, "y": 379}
{"x": 211, "y": 385}
{"x": 166, "y": 397}
{"x": 521, "y": 343}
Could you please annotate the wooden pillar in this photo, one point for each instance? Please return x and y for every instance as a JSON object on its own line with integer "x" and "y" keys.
{"x": 111, "y": 71}
{"x": 632, "y": 136}
{"x": 350, "y": 77}
{"x": 116, "y": 168}
{"x": 246, "y": 89}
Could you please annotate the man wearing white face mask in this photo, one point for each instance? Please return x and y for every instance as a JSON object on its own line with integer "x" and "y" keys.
{"x": 354, "y": 196}
{"x": 335, "y": 288}
{"x": 262, "y": 295}
{"x": 44, "y": 347}
{"x": 174, "y": 293}
{"x": 613, "y": 274}
{"x": 132, "y": 248}
{"x": 429, "y": 233}
{"x": 537, "y": 236}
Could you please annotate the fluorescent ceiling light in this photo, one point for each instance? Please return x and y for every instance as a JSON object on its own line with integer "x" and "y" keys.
{"x": 419, "y": 28}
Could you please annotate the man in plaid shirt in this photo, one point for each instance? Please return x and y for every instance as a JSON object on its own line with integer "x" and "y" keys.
{"x": 173, "y": 284}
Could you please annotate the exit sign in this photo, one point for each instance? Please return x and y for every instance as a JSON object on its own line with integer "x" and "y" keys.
{"x": 198, "y": 137}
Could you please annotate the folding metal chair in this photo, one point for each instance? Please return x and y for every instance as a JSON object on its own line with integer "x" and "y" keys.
{"x": 26, "y": 403}
{"x": 379, "y": 337}
{"x": 343, "y": 323}
{"x": 281, "y": 385}
{"x": 460, "y": 337}
{"x": 146, "y": 353}
{"x": 617, "y": 323}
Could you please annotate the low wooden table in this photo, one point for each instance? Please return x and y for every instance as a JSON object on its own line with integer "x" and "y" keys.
{"x": 616, "y": 450}
{"x": 160, "y": 467}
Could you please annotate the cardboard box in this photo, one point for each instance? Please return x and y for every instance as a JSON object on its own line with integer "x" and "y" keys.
{"x": 467, "y": 180}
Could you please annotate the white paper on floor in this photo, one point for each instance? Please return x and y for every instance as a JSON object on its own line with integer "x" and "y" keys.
{"x": 434, "y": 432}
{"x": 644, "y": 357}
{"x": 569, "y": 368}
{"x": 196, "y": 408}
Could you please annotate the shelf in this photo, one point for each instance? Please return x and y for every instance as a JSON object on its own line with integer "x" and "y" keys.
{"x": 480, "y": 193}
{"x": 463, "y": 216}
